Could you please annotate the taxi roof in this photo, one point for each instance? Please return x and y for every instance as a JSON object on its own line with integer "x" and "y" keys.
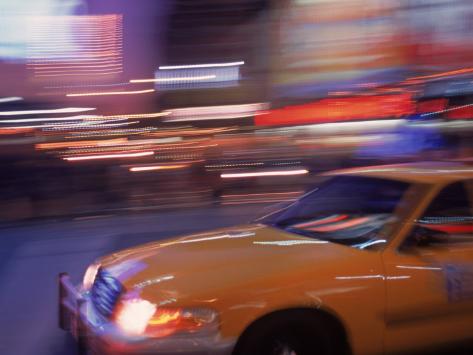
{"x": 420, "y": 172}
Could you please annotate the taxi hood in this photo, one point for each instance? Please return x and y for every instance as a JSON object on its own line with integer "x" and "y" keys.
{"x": 224, "y": 259}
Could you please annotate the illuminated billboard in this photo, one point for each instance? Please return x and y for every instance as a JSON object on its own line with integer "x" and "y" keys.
{"x": 324, "y": 46}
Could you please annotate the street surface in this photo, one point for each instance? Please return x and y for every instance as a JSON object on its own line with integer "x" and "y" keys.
{"x": 32, "y": 255}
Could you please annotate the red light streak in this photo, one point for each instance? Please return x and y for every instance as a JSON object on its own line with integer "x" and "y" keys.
{"x": 339, "y": 110}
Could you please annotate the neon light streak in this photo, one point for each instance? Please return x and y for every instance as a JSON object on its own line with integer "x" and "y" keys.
{"x": 191, "y": 66}
{"x": 264, "y": 173}
{"x": 109, "y": 156}
{"x": 35, "y": 112}
{"x": 172, "y": 80}
{"x": 105, "y": 93}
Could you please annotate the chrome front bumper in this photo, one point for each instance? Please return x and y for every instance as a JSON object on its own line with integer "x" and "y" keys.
{"x": 77, "y": 316}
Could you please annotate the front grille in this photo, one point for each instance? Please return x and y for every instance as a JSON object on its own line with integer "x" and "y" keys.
{"x": 105, "y": 293}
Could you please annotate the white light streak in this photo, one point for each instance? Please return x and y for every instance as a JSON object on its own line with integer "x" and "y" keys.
{"x": 85, "y": 86}
{"x": 207, "y": 118}
{"x": 108, "y": 93}
{"x": 157, "y": 167}
{"x": 109, "y": 156}
{"x": 205, "y": 110}
{"x": 154, "y": 281}
{"x": 446, "y": 110}
{"x": 172, "y": 80}
{"x": 230, "y": 235}
{"x": 139, "y": 115}
{"x": 264, "y": 173}
{"x": 86, "y": 125}
{"x": 429, "y": 268}
{"x": 223, "y": 112}
{"x": 49, "y": 119}
{"x": 36, "y": 112}
{"x": 264, "y": 194}
{"x": 342, "y": 127}
{"x": 192, "y": 66}
{"x": 370, "y": 243}
{"x": 359, "y": 277}
{"x": 68, "y": 126}
{"x": 291, "y": 242}
{"x": 10, "y": 99}
{"x": 402, "y": 277}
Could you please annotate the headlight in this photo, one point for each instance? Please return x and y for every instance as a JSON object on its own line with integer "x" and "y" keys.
{"x": 89, "y": 276}
{"x": 142, "y": 318}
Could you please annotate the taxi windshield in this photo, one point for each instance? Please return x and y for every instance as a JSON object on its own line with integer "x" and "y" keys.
{"x": 350, "y": 210}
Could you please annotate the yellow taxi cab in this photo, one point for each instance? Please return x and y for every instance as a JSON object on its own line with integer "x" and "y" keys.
{"x": 374, "y": 260}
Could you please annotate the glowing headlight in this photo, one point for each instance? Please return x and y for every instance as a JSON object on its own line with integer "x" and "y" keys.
{"x": 89, "y": 276}
{"x": 134, "y": 315}
{"x": 143, "y": 318}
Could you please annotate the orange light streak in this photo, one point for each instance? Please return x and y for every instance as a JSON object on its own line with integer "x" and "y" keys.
{"x": 80, "y": 144}
{"x": 440, "y": 75}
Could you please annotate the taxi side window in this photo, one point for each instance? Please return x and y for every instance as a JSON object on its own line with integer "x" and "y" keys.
{"x": 447, "y": 221}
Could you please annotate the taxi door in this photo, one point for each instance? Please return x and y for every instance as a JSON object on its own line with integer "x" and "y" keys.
{"x": 429, "y": 273}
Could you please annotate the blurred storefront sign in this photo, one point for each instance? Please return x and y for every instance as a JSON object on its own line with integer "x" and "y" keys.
{"x": 323, "y": 46}
{"x": 340, "y": 109}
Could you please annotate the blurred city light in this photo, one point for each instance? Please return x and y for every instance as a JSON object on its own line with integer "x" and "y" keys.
{"x": 176, "y": 108}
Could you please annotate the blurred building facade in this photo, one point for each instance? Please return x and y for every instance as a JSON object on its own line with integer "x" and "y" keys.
{"x": 112, "y": 104}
